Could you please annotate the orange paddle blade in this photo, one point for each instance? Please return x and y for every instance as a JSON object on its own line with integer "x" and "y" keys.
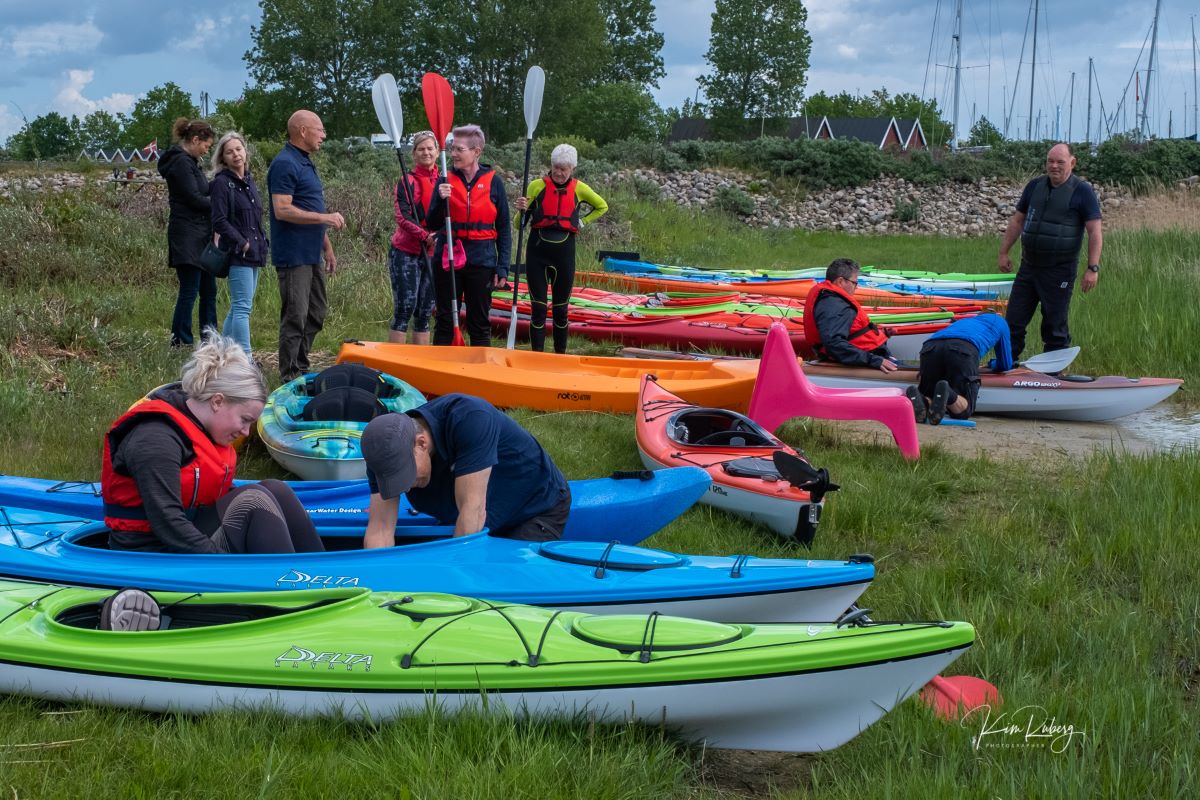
{"x": 952, "y": 697}
{"x": 439, "y": 105}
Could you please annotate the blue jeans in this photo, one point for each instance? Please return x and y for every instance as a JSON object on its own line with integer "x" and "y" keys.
{"x": 243, "y": 282}
{"x": 193, "y": 281}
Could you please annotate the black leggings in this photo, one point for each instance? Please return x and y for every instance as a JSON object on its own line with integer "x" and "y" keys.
{"x": 473, "y": 285}
{"x": 265, "y": 517}
{"x": 550, "y": 263}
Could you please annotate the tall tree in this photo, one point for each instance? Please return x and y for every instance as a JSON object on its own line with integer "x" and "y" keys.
{"x": 609, "y": 112}
{"x": 758, "y": 52}
{"x": 634, "y": 46}
{"x": 879, "y": 103}
{"x": 155, "y": 113}
{"x": 984, "y": 132}
{"x": 101, "y": 130}
{"x": 261, "y": 113}
{"x": 47, "y": 136}
{"x": 325, "y": 53}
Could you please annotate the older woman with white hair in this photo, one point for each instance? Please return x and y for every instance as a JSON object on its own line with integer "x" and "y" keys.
{"x": 482, "y": 238}
{"x": 555, "y": 202}
{"x": 237, "y": 214}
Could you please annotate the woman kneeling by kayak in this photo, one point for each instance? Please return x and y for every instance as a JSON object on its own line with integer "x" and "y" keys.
{"x": 169, "y": 462}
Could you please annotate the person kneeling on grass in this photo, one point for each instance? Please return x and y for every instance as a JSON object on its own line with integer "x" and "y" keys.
{"x": 169, "y": 463}
{"x": 466, "y": 464}
{"x": 948, "y": 380}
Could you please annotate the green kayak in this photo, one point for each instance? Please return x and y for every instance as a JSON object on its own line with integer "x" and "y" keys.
{"x": 791, "y": 687}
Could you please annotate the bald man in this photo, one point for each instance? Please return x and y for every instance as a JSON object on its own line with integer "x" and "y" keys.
{"x": 1051, "y": 217}
{"x": 300, "y": 241}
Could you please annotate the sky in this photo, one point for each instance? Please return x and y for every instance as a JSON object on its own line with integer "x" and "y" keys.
{"x": 77, "y": 56}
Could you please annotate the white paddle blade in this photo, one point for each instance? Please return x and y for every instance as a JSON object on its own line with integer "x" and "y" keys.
{"x": 386, "y": 98}
{"x": 535, "y": 85}
{"x": 1053, "y": 361}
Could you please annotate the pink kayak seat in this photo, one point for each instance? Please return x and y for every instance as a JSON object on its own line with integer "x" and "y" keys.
{"x": 782, "y": 391}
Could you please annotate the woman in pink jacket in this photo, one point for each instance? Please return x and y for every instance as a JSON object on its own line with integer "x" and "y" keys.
{"x": 412, "y": 285}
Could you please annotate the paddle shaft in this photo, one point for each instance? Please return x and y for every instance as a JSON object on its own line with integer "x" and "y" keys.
{"x": 512, "y": 320}
{"x": 450, "y": 250}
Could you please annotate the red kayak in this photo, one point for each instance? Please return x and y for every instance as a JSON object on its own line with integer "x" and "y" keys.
{"x": 754, "y": 474}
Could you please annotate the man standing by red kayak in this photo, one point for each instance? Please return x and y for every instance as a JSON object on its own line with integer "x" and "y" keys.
{"x": 837, "y": 326}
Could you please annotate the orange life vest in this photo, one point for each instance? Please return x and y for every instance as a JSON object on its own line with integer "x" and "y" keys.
{"x": 864, "y": 334}
{"x": 556, "y": 207}
{"x": 207, "y": 478}
{"x": 472, "y": 212}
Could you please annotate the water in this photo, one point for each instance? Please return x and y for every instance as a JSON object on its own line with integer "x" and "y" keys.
{"x": 1164, "y": 427}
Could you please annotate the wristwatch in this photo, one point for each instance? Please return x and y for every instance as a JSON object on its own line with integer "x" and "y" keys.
{"x": 1094, "y": 268}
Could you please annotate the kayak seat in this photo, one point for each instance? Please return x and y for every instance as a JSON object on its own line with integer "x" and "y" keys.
{"x": 715, "y": 427}
{"x": 344, "y": 404}
{"x": 357, "y": 376}
{"x": 782, "y": 391}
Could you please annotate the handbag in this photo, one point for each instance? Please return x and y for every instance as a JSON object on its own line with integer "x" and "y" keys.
{"x": 460, "y": 256}
{"x": 213, "y": 259}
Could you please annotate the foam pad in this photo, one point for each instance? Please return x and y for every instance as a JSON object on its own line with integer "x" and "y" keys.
{"x": 344, "y": 404}
{"x": 356, "y": 376}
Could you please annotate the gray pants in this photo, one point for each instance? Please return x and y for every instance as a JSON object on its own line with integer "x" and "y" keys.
{"x": 302, "y": 308}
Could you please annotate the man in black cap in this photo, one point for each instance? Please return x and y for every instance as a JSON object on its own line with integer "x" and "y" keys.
{"x": 465, "y": 463}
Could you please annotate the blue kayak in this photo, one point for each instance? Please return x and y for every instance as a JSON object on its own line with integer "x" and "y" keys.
{"x": 581, "y": 576}
{"x": 626, "y": 509}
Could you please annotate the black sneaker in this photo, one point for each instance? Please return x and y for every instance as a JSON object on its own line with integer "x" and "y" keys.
{"x": 130, "y": 610}
{"x": 918, "y": 403}
{"x": 941, "y": 394}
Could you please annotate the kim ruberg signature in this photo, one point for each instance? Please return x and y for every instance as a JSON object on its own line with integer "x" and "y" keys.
{"x": 1027, "y": 726}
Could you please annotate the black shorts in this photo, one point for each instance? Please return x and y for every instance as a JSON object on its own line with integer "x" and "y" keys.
{"x": 956, "y": 361}
{"x": 545, "y": 527}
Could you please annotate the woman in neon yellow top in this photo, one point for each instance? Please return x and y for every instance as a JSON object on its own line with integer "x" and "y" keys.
{"x": 554, "y": 206}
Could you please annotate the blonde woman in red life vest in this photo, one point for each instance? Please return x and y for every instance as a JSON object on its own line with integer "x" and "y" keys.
{"x": 554, "y": 203}
{"x": 837, "y": 326}
{"x": 168, "y": 467}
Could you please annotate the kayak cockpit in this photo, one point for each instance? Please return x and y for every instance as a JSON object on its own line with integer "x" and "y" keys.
{"x": 715, "y": 427}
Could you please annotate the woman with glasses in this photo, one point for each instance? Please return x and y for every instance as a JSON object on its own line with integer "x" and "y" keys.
{"x": 412, "y": 244}
{"x": 474, "y": 197}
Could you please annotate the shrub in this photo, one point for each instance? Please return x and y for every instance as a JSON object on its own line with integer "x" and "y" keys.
{"x": 637, "y": 153}
{"x": 733, "y": 200}
{"x": 906, "y": 210}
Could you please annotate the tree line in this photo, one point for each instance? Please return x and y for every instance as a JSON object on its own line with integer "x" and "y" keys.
{"x": 602, "y": 58}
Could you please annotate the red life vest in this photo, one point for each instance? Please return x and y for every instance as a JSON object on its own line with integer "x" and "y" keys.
{"x": 422, "y": 185}
{"x": 472, "y": 212}
{"x": 207, "y": 478}
{"x": 864, "y": 334}
{"x": 556, "y": 207}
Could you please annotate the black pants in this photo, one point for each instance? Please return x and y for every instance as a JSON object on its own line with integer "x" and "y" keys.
{"x": 302, "y": 307}
{"x": 473, "y": 285}
{"x": 550, "y": 263}
{"x": 545, "y": 527}
{"x": 265, "y": 517}
{"x": 955, "y": 361}
{"x": 1050, "y": 287}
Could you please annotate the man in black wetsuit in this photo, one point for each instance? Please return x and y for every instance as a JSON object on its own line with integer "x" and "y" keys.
{"x": 1051, "y": 217}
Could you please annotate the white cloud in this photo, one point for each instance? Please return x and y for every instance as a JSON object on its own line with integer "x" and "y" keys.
{"x": 846, "y": 51}
{"x": 70, "y": 99}
{"x": 10, "y": 123}
{"x": 53, "y": 38}
{"x": 203, "y": 32}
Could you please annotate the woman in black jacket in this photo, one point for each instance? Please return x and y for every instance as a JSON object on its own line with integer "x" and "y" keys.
{"x": 189, "y": 227}
{"x": 237, "y": 220}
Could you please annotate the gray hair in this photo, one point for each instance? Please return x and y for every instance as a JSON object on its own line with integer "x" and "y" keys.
{"x": 564, "y": 156}
{"x": 218, "y": 156}
{"x": 221, "y": 366}
{"x": 472, "y": 135}
{"x": 846, "y": 268}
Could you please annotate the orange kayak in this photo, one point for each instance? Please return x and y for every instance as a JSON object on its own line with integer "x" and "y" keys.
{"x": 796, "y": 289}
{"x": 552, "y": 382}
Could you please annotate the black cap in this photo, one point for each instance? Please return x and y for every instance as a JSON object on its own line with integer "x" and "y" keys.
{"x": 387, "y": 445}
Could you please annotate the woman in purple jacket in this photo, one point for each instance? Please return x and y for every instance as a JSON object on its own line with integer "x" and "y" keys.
{"x": 237, "y": 223}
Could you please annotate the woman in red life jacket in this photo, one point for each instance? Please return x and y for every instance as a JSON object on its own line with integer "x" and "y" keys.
{"x": 837, "y": 326}
{"x": 169, "y": 463}
{"x": 412, "y": 285}
{"x": 554, "y": 205}
{"x": 479, "y": 221}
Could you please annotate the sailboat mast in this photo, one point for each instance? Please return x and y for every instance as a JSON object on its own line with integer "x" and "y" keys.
{"x": 957, "y": 68}
{"x": 1149, "y": 72}
{"x": 1195, "y": 97}
{"x": 1032, "y": 72}
{"x": 1088, "y": 131}
{"x": 1071, "y": 108}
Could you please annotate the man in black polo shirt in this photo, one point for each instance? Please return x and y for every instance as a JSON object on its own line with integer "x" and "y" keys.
{"x": 1051, "y": 217}
{"x": 299, "y": 241}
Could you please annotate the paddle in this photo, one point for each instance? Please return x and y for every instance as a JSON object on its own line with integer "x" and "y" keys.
{"x": 952, "y": 697}
{"x": 388, "y": 110}
{"x": 535, "y": 83}
{"x": 1053, "y": 361}
{"x": 439, "y": 107}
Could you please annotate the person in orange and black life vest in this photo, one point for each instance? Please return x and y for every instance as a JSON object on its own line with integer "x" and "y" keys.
{"x": 554, "y": 202}
{"x": 479, "y": 220}
{"x": 837, "y": 326}
{"x": 412, "y": 285}
{"x": 169, "y": 463}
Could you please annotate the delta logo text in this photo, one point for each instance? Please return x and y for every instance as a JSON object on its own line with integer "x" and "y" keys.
{"x": 302, "y": 655}
{"x": 297, "y": 578}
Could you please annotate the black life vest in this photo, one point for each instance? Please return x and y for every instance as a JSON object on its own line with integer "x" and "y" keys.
{"x": 1053, "y": 232}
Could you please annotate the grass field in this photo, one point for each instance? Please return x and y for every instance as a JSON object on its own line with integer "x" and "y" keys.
{"x": 1080, "y": 576}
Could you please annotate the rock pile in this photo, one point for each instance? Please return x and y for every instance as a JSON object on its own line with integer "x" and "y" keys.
{"x": 56, "y": 182}
{"x": 887, "y": 205}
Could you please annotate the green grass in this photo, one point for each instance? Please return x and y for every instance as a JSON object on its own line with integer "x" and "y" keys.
{"x": 1079, "y": 576}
